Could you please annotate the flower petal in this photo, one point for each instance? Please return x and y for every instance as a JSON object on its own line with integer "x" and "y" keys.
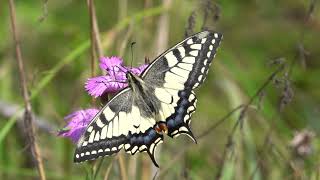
{"x": 105, "y": 84}
{"x": 107, "y": 63}
{"x": 116, "y": 78}
{"x": 118, "y": 71}
{"x": 77, "y": 124}
{"x": 138, "y": 70}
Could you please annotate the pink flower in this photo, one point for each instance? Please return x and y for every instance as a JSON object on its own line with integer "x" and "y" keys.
{"x": 98, "y": 85}
{"x": 107, "y": 63}
{"x": 112, "y": 82}
{"x": 77, "y": 123}
{"x": 115, "y": 80}
{"x": 139, "y": 69}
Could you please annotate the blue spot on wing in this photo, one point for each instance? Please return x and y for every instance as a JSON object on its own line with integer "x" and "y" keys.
{"x": 177, "y": 120}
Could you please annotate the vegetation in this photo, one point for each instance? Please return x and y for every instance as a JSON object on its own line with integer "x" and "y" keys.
{"x": 258, "y": 111}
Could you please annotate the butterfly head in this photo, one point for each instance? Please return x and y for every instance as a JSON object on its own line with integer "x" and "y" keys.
{"x": 134, "y": 81}
{"x": 130, "y": 77}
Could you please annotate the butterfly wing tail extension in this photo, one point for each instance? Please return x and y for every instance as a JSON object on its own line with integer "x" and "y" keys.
{"x": 189, "y": 133}
{"x": 151, "y": 155}
{"x": 151, "y": 150}
{"x": 179, "y": 122}
{"x": 147, "y": 141}
{"x": 183, "y": 129}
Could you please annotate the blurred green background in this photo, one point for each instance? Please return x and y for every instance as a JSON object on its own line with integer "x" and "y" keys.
{"x": 278, "y": 136}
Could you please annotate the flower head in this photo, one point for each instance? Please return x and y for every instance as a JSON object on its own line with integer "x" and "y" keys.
{"x": 96, "y": 86}
{"x": 108, "y": 64}
{"x": 138, "y": 70}
{"x": 78, "y": 121}
{"x": 115, "y": 80}
{"x": 112, "y": 82}
{"x": 302, "y": 143}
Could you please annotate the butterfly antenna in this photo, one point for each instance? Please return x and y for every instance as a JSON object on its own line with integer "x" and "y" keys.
{"x": 131, "y": 47}
{"x": 122, "y": 69}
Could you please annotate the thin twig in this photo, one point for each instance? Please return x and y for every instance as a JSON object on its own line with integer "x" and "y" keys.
{"x": 219, "y": 122}
{"x": 258, "y": 92}
{"x": 203, "y": 134}
{"x": 308, "y": 16}
{"x": 28, "y": 118}
{"x": 106, "y": 176}
{"x": 190, "y": 24}
{"x": 211, "y": 14}
{"x": 125, "y": 40}
{"x": 155, "y": 175}
{"x": 215, "y": 125}
{"x": 264, "y": 148}
{"x": 122, "y": 9}
{"x": 96, "y": 50}
{"x": 171, "y": 163}
{"x": 45, "y": 11}
{"x": 161, "y": 45}
{"x": 122, "y": 167}
{"x": 241, "y": 116}
{"x": 300, "y": 47}
{"x": 97, "y": 168}
{"x": 92, "y": 38}
{"x": 96, "y": 32}
{"x": 132, "y": 170}
{"x": 276, "y": 151}
{"x": 8, "y": 110}
{"x": 96, "y": 47}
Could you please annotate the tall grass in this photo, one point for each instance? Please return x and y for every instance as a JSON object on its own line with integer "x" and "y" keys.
{"x": 262, "y": 92}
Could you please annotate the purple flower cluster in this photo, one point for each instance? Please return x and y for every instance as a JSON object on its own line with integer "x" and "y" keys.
{"x": 77, "y": 123}
{"x": 112, "y": 82}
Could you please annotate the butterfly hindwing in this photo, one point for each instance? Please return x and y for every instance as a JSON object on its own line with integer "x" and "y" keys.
{"x": 178, "y": 122}
{"x": 176, "y": 109}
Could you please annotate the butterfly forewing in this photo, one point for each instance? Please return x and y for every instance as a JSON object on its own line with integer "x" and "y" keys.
{"x": 118, "y": 125}
{"x": 177, "y": 72}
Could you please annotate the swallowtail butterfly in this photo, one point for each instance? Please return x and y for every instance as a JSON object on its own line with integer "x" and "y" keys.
{"x": 159, "y": 101}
